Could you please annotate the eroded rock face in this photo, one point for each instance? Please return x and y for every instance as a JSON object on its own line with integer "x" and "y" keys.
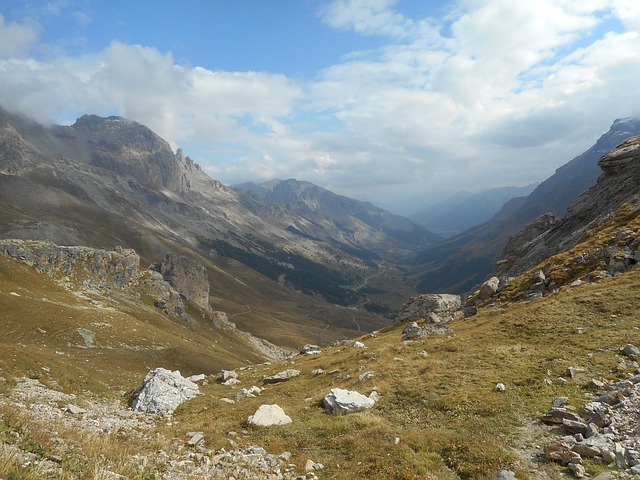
{"x": 442, "y": 306}
{"x": 617, "y": 185}
{"x": 187, "y": 276}
{"x": 162, "y": 391}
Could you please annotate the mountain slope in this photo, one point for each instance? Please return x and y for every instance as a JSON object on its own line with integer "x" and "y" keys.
{"x": 461, "y": 262}
{"x": 466, "y": 210}
{"x": 357, "y": 223}
{"x": 107, "y": 181}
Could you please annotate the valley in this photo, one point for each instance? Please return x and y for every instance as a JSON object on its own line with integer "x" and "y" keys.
{"x": 120, "y": 259}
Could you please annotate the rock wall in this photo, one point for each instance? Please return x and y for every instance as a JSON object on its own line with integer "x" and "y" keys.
{"x": 187, "y": 276}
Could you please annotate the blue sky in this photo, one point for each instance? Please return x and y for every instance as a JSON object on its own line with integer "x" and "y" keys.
{"x": 401, "y": 103}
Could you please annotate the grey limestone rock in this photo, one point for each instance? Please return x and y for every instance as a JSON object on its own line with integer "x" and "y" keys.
{"x": 346, "y": 401}
{"x": 162, "y": 391}
{"x": 269, "y": 415}
{"x": 446, "y": 306}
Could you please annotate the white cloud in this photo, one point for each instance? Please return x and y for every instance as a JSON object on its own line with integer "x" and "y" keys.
{"x": 15, "y": 38}
{"x": 366, "y": 17}
{"x": 504, "y": 95}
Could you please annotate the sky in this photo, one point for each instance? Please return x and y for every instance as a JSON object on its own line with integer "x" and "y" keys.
{"x": 397, "y": 102}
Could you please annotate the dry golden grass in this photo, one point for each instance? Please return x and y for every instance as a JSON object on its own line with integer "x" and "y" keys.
{"x": 439, "y": 416}
{"x": 443, "y": 407}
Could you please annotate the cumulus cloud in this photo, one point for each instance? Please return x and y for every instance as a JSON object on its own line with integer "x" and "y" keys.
{"x": 15, "y": 38}
{"x": 495, "y": 93}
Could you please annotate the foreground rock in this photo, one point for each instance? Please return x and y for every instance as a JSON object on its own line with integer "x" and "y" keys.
{"x": 269, "y": 415}
{"x": 346, "y": 401}
{"x": 162, "y": 391}
{"x": 431, "y": 307}
{"x": 604, "y": 430}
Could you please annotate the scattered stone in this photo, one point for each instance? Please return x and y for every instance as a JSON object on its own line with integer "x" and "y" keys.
{"x": 631, "y": 351}
{"x": 559, "y": 453}
{"x": 75, "y": 410}
{"x": 557, "y": 415}
{"x": 282, "y": 376}
{"x": 231, "y": 382}
{"x": 365, "y": 376}
{"x": 359, "y": 344}
{"x": 561, "y": 381}
{"x": 560, "y": 401}
{"x": 197, "y": 378}
{"x": 597, "y": 383}
{"x": 310, "y": 466}
{"x": 162, "y": 391}
{"x": 346, "y": 401}
{"x": 505, "y": 475}
{"x": 423, "y": 353}
{"x": 269, "y": 415}
{"x": 500, "y": 387}
{"x": 227, "y": 374}
{"x": 310, "y": 350}
{"x": 572, "y": 426}
{"x": 577, "y": 470}
{"x": 317, "y": 371}
{"x": 194, "y": 438}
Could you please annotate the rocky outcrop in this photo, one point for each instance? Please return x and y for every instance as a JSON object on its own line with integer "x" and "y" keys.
{"x": 118, "y": 268}
{"x": 619, "y": 183}
{"x": 187, "y": 276}
{"x": 431, "y": 307}
{"x": 162, "y": 391}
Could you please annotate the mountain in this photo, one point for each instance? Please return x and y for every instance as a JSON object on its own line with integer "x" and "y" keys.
{"x": 614, "y": 200}
{"x": 543, "y": 388}
{"x": 103, "y": 182}
{"x": 466, "y": 210}
{"x": 463, "y": 261}
{"x": 358, "y": 223}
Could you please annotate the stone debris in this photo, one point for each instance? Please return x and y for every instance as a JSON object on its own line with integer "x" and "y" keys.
{"x": 162, "y": 391}
{"x": 346, "y": 401}
{"x": 605, "y": 430}
{"x": 269, "y": 415}
{"x": 108, "y": 418}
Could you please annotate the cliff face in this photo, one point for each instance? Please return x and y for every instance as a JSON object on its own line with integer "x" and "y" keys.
{"x": 618, "y": 184}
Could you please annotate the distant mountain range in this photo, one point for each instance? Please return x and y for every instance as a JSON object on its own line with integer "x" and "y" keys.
{"x": 358, "y": 223}
{"x": 464, "y": 260}
{"x": 466, "y": 210}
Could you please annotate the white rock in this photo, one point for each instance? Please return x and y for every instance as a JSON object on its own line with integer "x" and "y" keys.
{"x": 346, "y": 401}
{"x": 500, "y": 387}
{"x": 162, "y": 391}
{"x": 268, "y": 415}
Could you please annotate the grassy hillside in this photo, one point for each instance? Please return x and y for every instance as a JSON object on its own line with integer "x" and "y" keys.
{"x": 439, "y": 416}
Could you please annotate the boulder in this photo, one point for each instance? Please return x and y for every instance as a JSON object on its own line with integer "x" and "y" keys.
{"x": 282, "y": 376}
{"x": 346, "y": 401}
{"x": 505, "y": 475}
{"x": 413, "y": 330}
{"x": 162, "y": 391}
{"x": 269, "y": 415}
{"x": 488, "y": 289}
{"x": 446, "y": 306}
{"x": 631, "y": 351}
